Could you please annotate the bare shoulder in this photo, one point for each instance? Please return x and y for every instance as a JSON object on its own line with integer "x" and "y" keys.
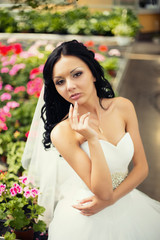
{"x": 63, "y": 133}
{"x": 123, "y": 104}
{"x": 120, "y": 103}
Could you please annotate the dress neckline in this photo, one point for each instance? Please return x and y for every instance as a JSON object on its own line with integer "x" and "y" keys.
{"x": 114, "y": 145}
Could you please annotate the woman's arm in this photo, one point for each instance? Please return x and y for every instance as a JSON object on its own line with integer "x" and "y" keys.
{"x": 93, "y": 171}
{"x": 136, "y": 175}
{"x": 140, "y": 166}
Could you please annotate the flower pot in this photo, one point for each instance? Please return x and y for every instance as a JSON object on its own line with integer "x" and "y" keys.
{"x": 123, "y": 40}
{"x": 24, "y": 235}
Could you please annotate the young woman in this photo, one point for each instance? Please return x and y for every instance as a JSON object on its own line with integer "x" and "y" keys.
{"x": 97, "y": 134}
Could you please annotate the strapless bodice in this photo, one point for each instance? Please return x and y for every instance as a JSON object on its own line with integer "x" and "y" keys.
{"x": 117, "y": 156}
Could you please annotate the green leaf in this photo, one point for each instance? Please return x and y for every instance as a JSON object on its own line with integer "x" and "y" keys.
{"x": 40, "y": 226}
{"x": 9, "y": 236}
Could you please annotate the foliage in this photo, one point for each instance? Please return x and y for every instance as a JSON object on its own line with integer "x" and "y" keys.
{"x": 76, "y": 21}
{"x": 7, "y": 22}
{"x": 14, "y": 155}
{"x": 18, "y": 204}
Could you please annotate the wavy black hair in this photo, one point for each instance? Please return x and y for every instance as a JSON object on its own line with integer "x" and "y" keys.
{"x": 56, "y": 107}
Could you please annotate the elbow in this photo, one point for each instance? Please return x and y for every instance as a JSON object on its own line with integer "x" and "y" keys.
{"x": 105, "y": 195}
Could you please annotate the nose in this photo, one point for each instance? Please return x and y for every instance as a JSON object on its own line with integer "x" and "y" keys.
{"x": 70, "y": 84}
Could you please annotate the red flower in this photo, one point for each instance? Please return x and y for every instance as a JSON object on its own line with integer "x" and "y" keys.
{"x": 5, "y": 49}
{"x": 89, "y": 44}
{"x": 17, "y": 48}
{"x": 34, "y": 71}
{"x": 26, "y": 134}
{"x": 103, "y": 48}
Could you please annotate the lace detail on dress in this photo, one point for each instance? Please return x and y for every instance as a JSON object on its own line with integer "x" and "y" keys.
{"x": 117, "y": 178}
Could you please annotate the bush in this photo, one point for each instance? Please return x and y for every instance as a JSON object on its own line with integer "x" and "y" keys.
{"x": 75, "y": 21}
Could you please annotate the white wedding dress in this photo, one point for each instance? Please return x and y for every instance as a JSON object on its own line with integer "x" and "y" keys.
{"x": 133, "y": 217}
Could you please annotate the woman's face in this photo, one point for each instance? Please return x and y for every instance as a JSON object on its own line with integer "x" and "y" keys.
{"x": 73, "y": 79}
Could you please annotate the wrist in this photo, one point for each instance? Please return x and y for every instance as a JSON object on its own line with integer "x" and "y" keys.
{"x": 92, "y": 140}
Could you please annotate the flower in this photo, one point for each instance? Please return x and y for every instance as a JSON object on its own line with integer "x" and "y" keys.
{"x": 5, "y": 70}
{"x": 34, "y": 87}
{"x": 8, "y": 87}
{"x": 12, "y": 104}
{"x": 16, "y": 68}
{"x": 103, "y": 48}
{"x": 26, "y": 134}
{"x": 1, "y": 84}
{"x": 99, "y": 57}
{"x": 5, "y": 96}
{"x": 19, "y": 89}
{"x": 89, "y": 44}
{"x": 3, "y": 126}
{"x": 17, "y": 48}
{"x": 18, "y": 204}
{"x": 114, "y": 52}
{"x": 23, "y": 180}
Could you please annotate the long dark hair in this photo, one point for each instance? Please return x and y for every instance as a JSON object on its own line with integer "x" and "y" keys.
{"x": 56, "y": 107}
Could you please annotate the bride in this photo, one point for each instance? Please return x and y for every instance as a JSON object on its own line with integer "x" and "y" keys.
{"x": 90, "y": 193}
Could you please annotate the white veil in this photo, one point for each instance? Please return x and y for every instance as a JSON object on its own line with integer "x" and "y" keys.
{"x": 41, "y": 164}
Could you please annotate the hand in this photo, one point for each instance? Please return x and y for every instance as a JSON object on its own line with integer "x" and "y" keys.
{"x": 81, "y": 124}
{"x": 92, "y": 205}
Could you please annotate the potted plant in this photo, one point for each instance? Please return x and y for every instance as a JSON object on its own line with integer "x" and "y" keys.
{"x": 19, "y": 208}
{"x": 126, "y": 27}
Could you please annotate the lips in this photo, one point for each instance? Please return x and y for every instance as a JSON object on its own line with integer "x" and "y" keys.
{"x": 75, "y": 96}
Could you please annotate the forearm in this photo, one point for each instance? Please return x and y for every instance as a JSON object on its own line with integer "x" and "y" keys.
{"x": 101, "y": 182}
{"x": 135, "y": 177}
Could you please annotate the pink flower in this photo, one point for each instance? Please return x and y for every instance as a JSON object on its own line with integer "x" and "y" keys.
{"x": 6, "y": 109}
{"x": 19, "y": 89}
{"x": 8, "y": 87}
{"x": 5, "y": 96}
{"x": 27, "y": 194}
{"x": 99, "y": 57}
{"x": 34, "y": 87}
{"x": 3, "y": 126}
{"x": 13, "y": 191}
{"x": 16, "y": 68}
{"x": 13, "y": 104}
{"x": 2, "y": 188}
{"x": 18, "y": 188}
{"x": 114, "y": 52}
{"x": 34, "y": 192}
{"x": 5, "y": 70}
{"x": 23, "y": 180}
{"x": 1, "y": 84}
{"x": 41, "y": 68}
{"x": 26, "y": 54}
{"x": 13, "y": 59}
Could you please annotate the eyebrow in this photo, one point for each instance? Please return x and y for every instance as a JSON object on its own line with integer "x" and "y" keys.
{"x": 70, "y": 72}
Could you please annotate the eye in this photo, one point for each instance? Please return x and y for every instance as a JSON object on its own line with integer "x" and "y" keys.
{"x": 77, "y": 74}
{"x": 59, "y": 82}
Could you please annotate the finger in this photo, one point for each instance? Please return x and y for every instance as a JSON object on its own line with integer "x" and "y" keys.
{"x": 86, "y": 207}
{"x": 83, "y": 117}
{"x": 75, "y": 114}
{"x": 86, "y": 200}
{"x": 86, "y": 121}
{"x": 70, "y": 114}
